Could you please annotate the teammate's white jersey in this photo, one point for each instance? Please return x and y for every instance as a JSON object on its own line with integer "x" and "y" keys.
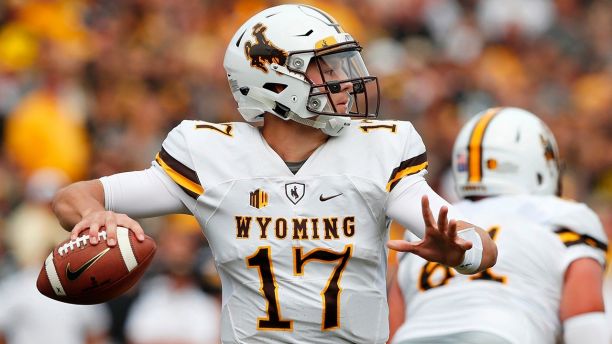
{"x": 301, "y": 257}
{"x": 518, "y": 299}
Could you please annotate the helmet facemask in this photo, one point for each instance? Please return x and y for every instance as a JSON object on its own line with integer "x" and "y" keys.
{"x": 334, "y": 71}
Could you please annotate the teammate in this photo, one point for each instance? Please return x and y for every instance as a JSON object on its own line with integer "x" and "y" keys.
{"x": 295, "y": 211}
{"x": 547, "y": 282}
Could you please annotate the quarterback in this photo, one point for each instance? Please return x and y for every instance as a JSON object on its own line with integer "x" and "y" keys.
{"x": 547, "y": 283}
{"x": 296, "y": 209}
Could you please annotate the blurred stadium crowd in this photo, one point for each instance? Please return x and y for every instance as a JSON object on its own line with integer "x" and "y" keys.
{"x": 91, "y": 87}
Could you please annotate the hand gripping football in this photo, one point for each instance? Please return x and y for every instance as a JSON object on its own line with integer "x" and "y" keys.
{"x": 80, "y": 273}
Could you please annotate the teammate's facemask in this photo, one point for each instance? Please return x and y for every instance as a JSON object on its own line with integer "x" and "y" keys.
{"x": 341, "y": 70}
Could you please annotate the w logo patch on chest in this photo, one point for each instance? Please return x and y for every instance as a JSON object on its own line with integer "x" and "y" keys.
{"x": 259, "y": 199}
{"x": 295, "y": 191}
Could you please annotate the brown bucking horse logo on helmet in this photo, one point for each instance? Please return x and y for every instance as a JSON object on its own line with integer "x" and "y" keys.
{"x": 263, "y": 52}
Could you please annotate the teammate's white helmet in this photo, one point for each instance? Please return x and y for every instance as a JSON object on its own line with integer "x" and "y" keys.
{"x": 266, "y": 64}
{"x": 505, "y": 151}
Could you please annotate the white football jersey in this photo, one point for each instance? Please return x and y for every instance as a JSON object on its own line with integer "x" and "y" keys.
{"x": 518, "y": 299}
{"x": 302, "y": 256}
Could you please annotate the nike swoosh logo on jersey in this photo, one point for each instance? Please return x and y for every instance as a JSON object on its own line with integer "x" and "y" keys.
{"x": 323, "y": 199}
{"x": 72, "y": 275}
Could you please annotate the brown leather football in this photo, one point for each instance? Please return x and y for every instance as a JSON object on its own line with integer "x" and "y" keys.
{"x": 80, "y": 273}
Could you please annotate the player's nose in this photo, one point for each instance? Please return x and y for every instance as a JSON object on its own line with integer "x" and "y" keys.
{"x": 340, "y": 87}
{"x": 347, "y": 86}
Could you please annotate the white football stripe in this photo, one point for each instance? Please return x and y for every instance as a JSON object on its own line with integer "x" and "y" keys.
{"x": 53, "y": 277}
{"x": 123, "y": 240}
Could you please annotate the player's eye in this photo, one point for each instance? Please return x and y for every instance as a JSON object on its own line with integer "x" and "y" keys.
{"x": 328, "y": 71}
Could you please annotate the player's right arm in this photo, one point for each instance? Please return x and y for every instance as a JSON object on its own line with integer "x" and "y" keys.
{"x": 115, "y": 200}
{"x": 77, "y": 200}
{"x": 80, "y": 207}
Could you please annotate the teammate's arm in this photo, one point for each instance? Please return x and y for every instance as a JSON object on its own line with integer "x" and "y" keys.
{"x": 445, "y": 241}
{"x": 397, "y": 308}
{"x": 582, "y": 305}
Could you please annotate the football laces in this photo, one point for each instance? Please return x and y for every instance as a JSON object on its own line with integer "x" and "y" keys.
{"x": 78, "y": 242}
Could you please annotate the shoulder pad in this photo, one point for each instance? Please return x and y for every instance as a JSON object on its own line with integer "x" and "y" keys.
{"x": 574, "y": 222}
{"x": 396, "y": 143}
{"x": 176, "y": 161}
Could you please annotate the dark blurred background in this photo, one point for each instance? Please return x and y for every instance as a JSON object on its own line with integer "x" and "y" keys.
{"x": 89, "y": 88}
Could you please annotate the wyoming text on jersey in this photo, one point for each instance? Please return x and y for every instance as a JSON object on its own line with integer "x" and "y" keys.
{"x": 313, "y": 228}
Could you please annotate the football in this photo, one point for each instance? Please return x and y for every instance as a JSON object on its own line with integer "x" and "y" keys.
{"x": 80, "y": 273}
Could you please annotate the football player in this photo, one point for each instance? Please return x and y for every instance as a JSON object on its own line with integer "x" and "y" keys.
{"x": 296, "y": 210}
{"x": 547, "y": 283}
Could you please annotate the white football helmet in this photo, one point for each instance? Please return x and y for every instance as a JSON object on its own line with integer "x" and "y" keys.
{"x": 505, "y": 151}
{"x": 267, "y": 59}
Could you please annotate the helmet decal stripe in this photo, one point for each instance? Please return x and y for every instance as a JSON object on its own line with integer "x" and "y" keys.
{"x": 475, "y": 145}
{"x": 332, "y": 21}
{"x": 406, "y": 168}
{"x": 240, "y": 38}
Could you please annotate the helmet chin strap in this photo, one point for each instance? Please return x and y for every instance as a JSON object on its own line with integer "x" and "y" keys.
{"x": 330, "y": 125}
{"x": 306, "y": 121}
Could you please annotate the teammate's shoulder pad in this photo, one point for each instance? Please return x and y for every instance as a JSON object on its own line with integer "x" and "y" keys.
{"x": 576, "y": 222}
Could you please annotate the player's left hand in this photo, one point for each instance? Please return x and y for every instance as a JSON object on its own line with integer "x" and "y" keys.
{"x": 440, "y": 243}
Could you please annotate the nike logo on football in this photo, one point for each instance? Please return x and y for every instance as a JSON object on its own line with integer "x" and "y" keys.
{"x": 72, "y": 275}
{"x": 323, "y": 199}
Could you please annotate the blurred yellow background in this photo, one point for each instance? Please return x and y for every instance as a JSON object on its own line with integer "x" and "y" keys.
{"x": 91, "y": 87}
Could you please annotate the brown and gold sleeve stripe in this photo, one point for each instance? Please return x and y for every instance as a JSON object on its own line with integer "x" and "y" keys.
{"x": 475, "y": 145}
{"x": 182, "y": 175}
{"x": 406, "y": 168}
{"x": 571, "y": 238}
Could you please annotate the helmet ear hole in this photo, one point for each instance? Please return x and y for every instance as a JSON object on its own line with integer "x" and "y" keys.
{"x": 274, "y": 87}
{"x": 540, "y": 178}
